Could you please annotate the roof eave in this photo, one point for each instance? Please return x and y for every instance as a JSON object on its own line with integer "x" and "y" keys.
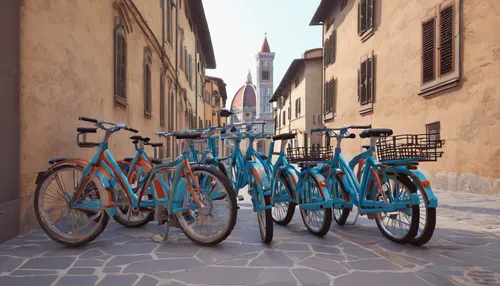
{"x": 198, "y": 13}
{"x": 321, "y": 13}
{"x": 288, "y": 77}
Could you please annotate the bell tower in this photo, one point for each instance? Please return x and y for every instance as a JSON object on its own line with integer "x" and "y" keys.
{"x": 264, "y": 80}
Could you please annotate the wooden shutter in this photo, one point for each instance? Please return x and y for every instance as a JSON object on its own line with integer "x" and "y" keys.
{"x": 428, "y": 50}
{"x": 333, "y": 46}
{"x": 363, "y": 76}
{"x": 325, "y": 52}
{"x": 369, "y": 80}
{"x": 334, "y": 96}
{"x": 446, "y": 40}
{"x": 362, "y": 16}
{"x": 162, "y": 99}
{"x": 369, "y": 14}
{"x": 325, "y": 96}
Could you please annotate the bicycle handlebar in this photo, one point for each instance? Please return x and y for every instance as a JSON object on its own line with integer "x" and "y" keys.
{"x": 83, "y": 118}
{"x": 100, "y": 123}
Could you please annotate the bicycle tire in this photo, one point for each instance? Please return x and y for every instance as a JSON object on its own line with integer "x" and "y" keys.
{"x": 412, "y": 231}
{"x": 232, "y": 202}
{"x": 425, "y": 235}
{"x": 101, "y": 224}
{"x": 325, "y": 228}
{"x": 266, "y": 231}
{"x": 345, "y": 211}
{"x": 291, "y": 205}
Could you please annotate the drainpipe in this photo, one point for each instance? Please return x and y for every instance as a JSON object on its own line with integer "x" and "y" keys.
{"x": 176, "y": 74}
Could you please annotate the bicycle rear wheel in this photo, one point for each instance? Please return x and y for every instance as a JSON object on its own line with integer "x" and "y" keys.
{"x": 401, "y": 225}
{"x": 427, "y": 220}
{"x": 124, "y": 214}
{"x": 339, "y": 192}
{"x": 65, "y": 225}
{"x": 317, "y": 221}
{"x": 216, "y": 194}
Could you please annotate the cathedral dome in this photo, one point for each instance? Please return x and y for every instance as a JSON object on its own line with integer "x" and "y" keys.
{"x": 245, "y": 97}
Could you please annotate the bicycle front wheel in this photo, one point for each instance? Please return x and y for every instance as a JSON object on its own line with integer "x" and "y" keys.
{"x": 317, "y": 221}
{"x": 62, "y": 223}
{"x": 283, "y": 211}
{"x": 400, "y": 225}
{"x": 214, "y": 222}
{"x": 427, "y": 220}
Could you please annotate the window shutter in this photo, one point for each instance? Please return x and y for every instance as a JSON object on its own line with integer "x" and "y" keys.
{"x": 359, "y": 17}
{"x": 369, "y": 80}
{"x": 359, "y": 85}
{"x": 370, "y": 11}
{"x": 363, "y": 82}
{"x": 325, "y": 52}
{"x": 332, "y": 94}
{"x": 325, "y": 96}
{"x": 428, "y": 50}
{"x": 362, "y": 16}
{"x": 446, "y": 41}
{"x": 333, "y": 47}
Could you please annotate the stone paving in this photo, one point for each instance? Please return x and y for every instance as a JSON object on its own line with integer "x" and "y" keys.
{"x": 465, "y": 250}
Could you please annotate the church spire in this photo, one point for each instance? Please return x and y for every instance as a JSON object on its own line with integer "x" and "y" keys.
{"x": 249, "y": 78}
{"x": 265, "y": 46}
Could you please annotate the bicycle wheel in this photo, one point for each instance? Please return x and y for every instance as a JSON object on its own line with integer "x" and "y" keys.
{"x": 339, "y": 192}
{"x": 51, "y": 205}
{"x": 427, "y": 220}
{"x": 282, "y": 212}
{"x": 318, "y": 221}
{"x": 400, "y": 225}
{"x": 216, "y": 194}
{"x": 125, "y": 215}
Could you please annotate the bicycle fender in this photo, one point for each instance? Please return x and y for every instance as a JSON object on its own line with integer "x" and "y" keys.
{"x": 179, "y": 193}
{"x": 426, "y": 185}
{"x": 256, "y": 169}
{"x": 290, "y": 177}
{"x": 320, "y": 180}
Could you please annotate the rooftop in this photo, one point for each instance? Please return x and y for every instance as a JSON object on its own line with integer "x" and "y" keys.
{"x": 200, "y": 21}
{"x": 324, "y": 8}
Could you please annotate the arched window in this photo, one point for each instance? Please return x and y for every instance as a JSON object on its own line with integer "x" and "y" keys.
{"x": 120, "y": 66}
{"x": 147, "y": 82}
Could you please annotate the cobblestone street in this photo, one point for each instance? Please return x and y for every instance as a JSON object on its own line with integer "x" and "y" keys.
{"x": 465, "y": 250}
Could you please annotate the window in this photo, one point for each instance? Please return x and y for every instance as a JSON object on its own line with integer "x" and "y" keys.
{"x": 434, "y": 130}
{"x": 297, "y": 81}
{"x": 441, "y": 49}
{"x": 284, "y": 117}
{"x": 265, "y": 75}
{"x": 297, "y": 108}
{"x": 330, "y": 49}
{"x": 366, "y": 83}
{"x": 171, "y": 104}
{"x": 120, "y": 70}
{"x": 314, "y": 119}
{"x": 365, "y": 18}
{"x": 181, "y": 48}
{"x": 329, "y": 101}
{"x": 169, "y": 20}
{"x": 186, "y": 63}
{"x": 162, "y": 100}
{"x": 147, "y": 82}
{"x": 190, "y": 71}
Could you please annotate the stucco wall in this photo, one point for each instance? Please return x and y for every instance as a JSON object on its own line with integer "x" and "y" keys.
{"x": 312, "y": 101}
{"x": 469, "y": 114}
{"x": 66, "y": 72}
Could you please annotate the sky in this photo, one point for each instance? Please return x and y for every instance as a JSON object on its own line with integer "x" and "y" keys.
{"x": 238, "y": 27}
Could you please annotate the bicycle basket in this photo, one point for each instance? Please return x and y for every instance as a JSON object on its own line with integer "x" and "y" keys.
{"x": 420, "y": 147}
{"x": 309, "y": 154}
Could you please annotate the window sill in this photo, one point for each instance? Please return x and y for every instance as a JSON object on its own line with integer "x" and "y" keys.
{"x": 366, "y": 108}
{"x": 120, "y": 101}
{"x": 366, "y": 34}
{"x": 329, "y": 116}
{"x": 147, "y": 114}
{"x": 436, "y": 87}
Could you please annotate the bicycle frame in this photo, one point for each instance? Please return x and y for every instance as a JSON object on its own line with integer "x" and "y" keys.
{"x": 103, "y": 160}
{"x": 299, "y": 189}
{"x": 340, "y": 170}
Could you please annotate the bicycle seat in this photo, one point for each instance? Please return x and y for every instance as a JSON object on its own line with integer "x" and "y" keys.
{"x": 187, "y": 135}
{"x": 284, "y": 136}
{"x": 156, "y": 161}
{"x": 159, "y": 144}
{"x": 140, "y": 138}
{"x": 128, "y": 159}
{"x": 376, "y": 132}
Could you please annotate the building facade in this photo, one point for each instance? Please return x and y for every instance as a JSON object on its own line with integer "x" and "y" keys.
{"x": 418, "y": 67}
{"x": 298, "y": 96}
{"x": 137, "y": 62}
{"x": 214, "y": 100}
